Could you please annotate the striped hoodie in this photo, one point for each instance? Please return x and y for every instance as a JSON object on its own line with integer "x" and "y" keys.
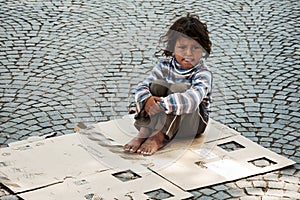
{"x": 198, "y": 78}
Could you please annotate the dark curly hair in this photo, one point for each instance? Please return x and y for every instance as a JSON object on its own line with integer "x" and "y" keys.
{"x": 189, "y": 26}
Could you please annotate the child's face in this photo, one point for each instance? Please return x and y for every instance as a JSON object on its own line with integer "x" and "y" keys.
{"x": 188, "y": 52}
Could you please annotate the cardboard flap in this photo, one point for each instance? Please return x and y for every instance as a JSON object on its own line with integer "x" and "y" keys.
{"x": 91, "y": 163}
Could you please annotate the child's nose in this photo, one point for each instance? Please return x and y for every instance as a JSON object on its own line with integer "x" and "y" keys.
{"x": 189, "y": 51}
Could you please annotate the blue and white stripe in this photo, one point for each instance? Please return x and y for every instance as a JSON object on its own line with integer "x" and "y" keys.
{"x": 198, "y": 78}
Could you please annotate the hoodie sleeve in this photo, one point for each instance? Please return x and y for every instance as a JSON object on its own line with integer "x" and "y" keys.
{"x": 189, "y": 101}
{"x": 143, "y": 89}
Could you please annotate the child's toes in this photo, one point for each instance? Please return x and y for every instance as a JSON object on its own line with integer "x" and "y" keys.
{"x": 140, "y": 150}
{"x": 126, "y": 148}
{"x": 148, "y": 152}
{"x": 133, "y": 149}
{"x": 144, "y": 151}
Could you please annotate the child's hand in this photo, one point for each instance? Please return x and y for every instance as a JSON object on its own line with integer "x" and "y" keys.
{"x": 151, "y": 105}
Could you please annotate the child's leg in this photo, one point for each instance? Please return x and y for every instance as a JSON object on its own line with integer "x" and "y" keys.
{"x": 190, "y": 125}
{"x": 170, "y": 122}
{"x": 173, "y": 122}
{"x": 153, "y": 143}
{"x": 146, "y": 124}
{"x": 194, "y": 124}
{"x": 158, "y": 88}
{"x": 204, "y": 117}
{"x": 136, "y": 142}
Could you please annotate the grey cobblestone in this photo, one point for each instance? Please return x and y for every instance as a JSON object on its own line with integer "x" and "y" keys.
{"x": 221, "y": 195}
{"x": 62, "y": 62}
{"x": 249, "y": 198}
{"x": 236, "y": 192}
{"x": 254, "y": 191}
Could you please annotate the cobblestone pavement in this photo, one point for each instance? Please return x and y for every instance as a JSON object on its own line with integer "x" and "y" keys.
{"x": 63, "y": 62}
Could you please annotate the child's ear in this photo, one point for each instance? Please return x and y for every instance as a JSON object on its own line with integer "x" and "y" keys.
{"x": 204, "y": 53}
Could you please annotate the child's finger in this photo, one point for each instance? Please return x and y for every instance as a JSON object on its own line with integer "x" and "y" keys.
{"x": 158, "y": 99}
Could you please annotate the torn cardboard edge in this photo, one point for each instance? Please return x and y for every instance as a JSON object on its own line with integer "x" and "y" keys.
{"x": 94, "y": 153}
{"x": 61, "y": 183}
{"x": 222, "y": 164}
{"x": 107, "y": 185}
{"x": 45, "y": 162}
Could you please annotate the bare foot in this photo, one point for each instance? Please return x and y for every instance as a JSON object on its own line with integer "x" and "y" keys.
{"x": 152, "y": 144}
{"x": 136, "y": 142}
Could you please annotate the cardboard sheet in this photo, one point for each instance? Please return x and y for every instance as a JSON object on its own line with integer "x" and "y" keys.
{"x": 36, "y": 164}
{"x": 118, "y": 132}
{"x": 105, "y": 186}
{"x": 122, "y": 130}
{"x": 211, "y": 164}
{"x": 82, "y": 165}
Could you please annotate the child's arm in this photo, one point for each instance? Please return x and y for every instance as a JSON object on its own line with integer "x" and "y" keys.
{"x": 142, "y": 93}
{"x": 189, "y": 101}
{"x": 152, "y": 105}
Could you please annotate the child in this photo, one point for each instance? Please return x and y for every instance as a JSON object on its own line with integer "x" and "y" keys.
{"x": 174, "y": 99}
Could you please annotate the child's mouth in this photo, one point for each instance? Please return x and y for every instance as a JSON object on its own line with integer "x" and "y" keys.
{"x": 187, "y": 60}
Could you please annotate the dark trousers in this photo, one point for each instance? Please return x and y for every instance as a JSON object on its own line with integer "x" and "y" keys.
{"x": 186, "y": 125}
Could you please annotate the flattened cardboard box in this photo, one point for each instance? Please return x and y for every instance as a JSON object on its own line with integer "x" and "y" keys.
{"x": 46, "y": 162}
{"x": 54, "y": 167}
{"x": 105, "y": 186}
{"x": 63, "y": 168}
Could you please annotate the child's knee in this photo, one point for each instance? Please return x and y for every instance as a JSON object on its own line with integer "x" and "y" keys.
{"x": 159, "y": 88}
{"x": 177, "y": 88}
